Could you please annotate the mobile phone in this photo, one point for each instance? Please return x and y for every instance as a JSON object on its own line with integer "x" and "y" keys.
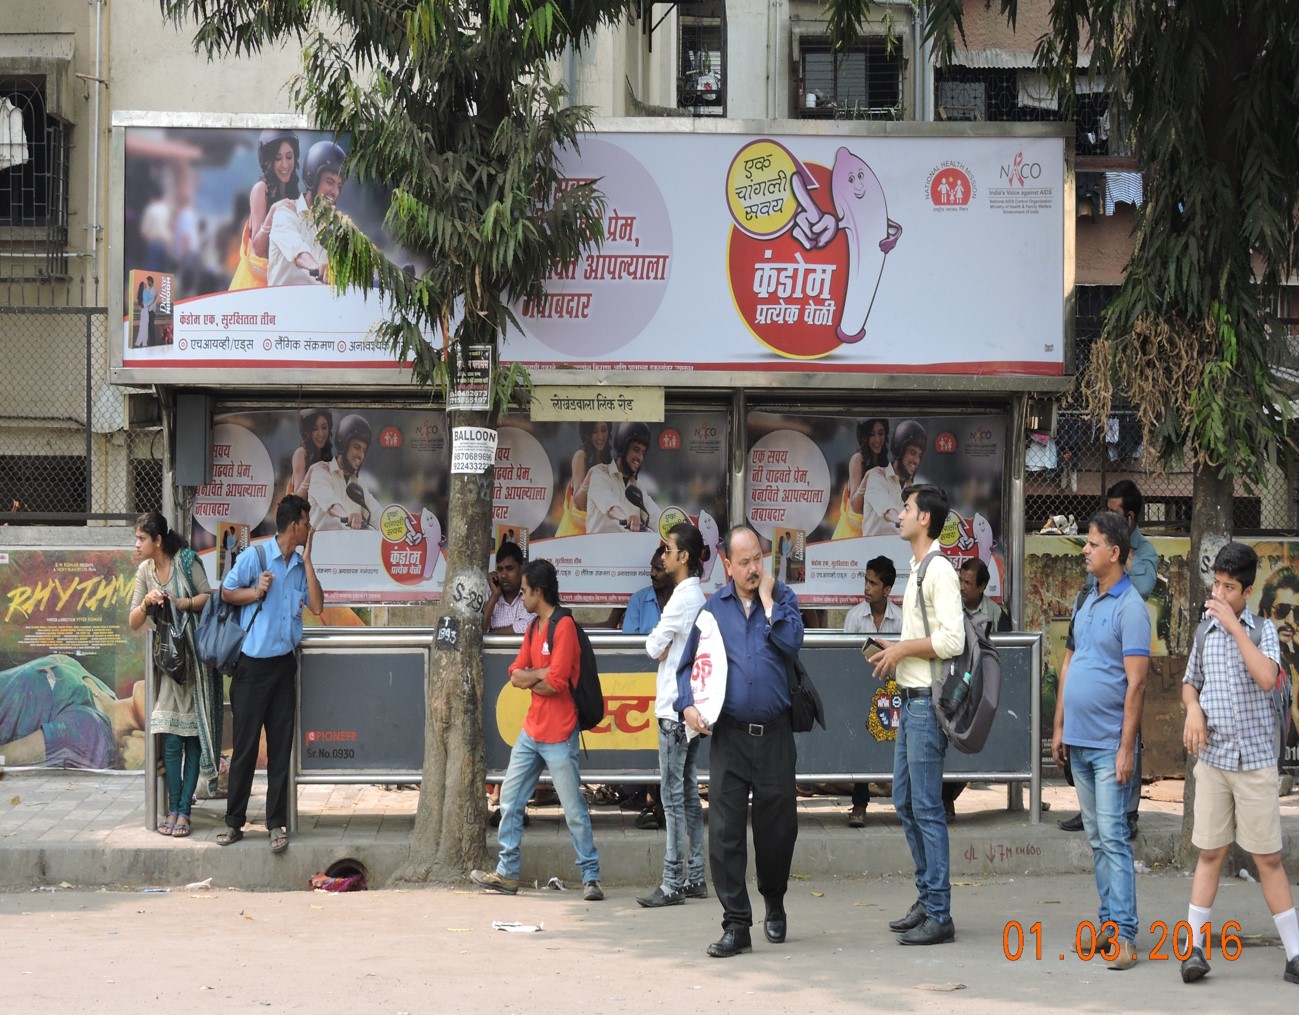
{"x": 871, "y": 648}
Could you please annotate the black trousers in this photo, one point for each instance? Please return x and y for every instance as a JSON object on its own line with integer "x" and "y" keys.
{"x": 740, "y": 763}
{"x": 263, "y": 693}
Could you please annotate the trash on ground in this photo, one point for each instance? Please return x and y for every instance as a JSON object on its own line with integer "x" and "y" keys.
{"x": 154, "y": 891}
{"x": 1245, "y": 875}
{"x": 518, "y": 928}
{"x": 324, "y": 883}
{"x": 940, "y": 986}
{"x": 557, "y": 884}
{"x": 199, "y": 886}
{"x": 1140, "y": 867}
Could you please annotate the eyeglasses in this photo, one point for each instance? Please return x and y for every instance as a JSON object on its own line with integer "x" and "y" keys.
{"x": 1282, "y": 610}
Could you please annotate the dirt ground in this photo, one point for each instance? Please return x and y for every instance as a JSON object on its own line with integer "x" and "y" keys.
{"x": 435, "y": 950}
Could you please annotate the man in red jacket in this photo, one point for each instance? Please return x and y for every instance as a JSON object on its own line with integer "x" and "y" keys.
{"x": 549, "y": 738}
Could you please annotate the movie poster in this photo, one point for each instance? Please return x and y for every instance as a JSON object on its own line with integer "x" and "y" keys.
{"x": 824, "y": 493}
{"x": 71, "y": 671}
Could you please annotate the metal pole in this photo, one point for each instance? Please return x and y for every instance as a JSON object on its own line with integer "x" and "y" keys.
{"x": 90, "y": 485}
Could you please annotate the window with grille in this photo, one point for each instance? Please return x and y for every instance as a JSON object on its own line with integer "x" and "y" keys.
{"x": 701, "y": 59}
{"x": 863, "y": 83}
{"x": 33, "y": 183}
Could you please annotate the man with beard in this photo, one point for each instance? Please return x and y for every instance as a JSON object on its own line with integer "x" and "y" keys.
{"x": 882, "y": 496}
{"x": 1279, "y": 602}
{"x": 338, "y": 498}
{"x": 505, "y": 612}
{"x": 615, "y": 501}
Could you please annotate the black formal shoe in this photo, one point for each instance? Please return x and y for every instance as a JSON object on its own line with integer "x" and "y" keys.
{"x": 1292, "y": 970}
{"x": 658, "y": 898}
{"x": 731, "y": 943}
{"x": 914, "y": 918}
{"x": 931, "y": 932}
{"x": 695, "y": 890}
{"x": 1195, "y": 966}
{"x": 774, "y": 926}
{"x": 1073, "y": 824}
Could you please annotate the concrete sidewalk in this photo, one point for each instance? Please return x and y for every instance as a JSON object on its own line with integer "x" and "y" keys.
{"x": 87, "y": 829}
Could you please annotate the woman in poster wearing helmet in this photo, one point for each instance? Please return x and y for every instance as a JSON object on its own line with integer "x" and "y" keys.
{"x": 872, "y": 453}
{"x": 315, "y": 427}
{"x": 277, "y": 154}
{"x": 596, "y": 449}
{"x": 295, "y": 256}
{"x": 882, "y": 488}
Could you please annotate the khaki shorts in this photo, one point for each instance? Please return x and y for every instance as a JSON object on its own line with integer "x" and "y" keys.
{"x": 1243, "y": 806}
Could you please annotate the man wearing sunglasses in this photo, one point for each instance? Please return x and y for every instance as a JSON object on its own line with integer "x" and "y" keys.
{"x": 339, "y": 500}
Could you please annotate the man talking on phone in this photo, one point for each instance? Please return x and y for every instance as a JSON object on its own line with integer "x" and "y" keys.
{"x": 505, "y": 612}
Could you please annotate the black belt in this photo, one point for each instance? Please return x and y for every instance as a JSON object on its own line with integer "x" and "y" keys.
{"x": 756, "y": 729}
{"x": 915, "y": 692}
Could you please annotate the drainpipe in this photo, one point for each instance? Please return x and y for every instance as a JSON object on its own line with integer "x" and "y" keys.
{"x": 92, "y": 217}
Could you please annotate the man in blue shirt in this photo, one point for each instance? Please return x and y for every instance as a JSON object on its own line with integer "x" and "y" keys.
{"x": 263, "y": 688}
{"x": 645, "y": 607}
{"x": 1097, "y": 718}
{"x": 753, "y": 742}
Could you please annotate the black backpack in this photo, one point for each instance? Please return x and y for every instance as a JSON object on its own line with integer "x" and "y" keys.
{"x": 967, "y": 687}
{"x": 588, "y": 695}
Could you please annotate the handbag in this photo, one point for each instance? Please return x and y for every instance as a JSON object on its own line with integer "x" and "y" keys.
{"x": 805, "y": 709}
{"x": 220, "y": 636}
{"x": 170, "y": 625}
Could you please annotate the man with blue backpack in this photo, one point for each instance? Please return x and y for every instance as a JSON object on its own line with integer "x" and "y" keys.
{"x": 1232, "y": 717}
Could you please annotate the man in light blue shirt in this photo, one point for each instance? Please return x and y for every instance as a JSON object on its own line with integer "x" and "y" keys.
{"x": 263, "y": 684}
{"x": 1097, "y": 719}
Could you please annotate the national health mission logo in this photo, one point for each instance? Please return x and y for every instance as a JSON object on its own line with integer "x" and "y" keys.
{"x": 950, "y": 186}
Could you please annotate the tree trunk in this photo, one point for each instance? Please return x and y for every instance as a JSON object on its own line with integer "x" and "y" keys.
{"x": 1211, "y": 503}
{"x": 451, "y": 823}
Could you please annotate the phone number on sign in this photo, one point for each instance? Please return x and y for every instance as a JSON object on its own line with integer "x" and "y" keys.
{"x": 1174, "y": 943}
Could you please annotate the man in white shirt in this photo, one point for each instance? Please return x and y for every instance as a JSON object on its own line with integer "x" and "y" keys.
{"x": 918, "y": 753}
{"x": 882, "y": 488}
{"x": 875, "y": 614}
{"x": 615, "y": 502}
{"x": 295, "y": 256}
{"x": 338, "y": 498}
{"x": 683, "y": 873}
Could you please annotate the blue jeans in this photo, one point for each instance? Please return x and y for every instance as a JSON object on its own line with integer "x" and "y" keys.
{"x": 527, "y": 759}
{"x": 182, "y": 776}
{"x": 1104, "y": 804}
{"x": 679, "y": 794}
{"x": 918, "y": 798}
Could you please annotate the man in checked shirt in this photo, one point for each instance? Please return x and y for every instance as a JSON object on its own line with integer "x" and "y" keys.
{"x": 1231, "y": 729}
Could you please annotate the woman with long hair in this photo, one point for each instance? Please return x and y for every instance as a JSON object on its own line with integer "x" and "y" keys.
{"x": 188, "y": 709}
{"x": 872, "y": 453}
{"x": 316, "y": 427}
{"x": 278, "y": 155}
{"x": 596, "y": 449}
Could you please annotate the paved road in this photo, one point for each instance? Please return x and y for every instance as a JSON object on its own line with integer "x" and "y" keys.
{"x": 435, "y": 950}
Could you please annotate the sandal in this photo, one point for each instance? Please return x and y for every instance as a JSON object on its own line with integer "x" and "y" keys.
{"x": 181, "y": 828}
{"x": 230, "y": 836}
{"x": 279, "y": 839}
{"x": 168, "y": 824}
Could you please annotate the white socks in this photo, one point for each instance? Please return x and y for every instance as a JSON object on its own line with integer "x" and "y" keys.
{"x": 1287, "y": 925}
{"x": 1197, "y": 918}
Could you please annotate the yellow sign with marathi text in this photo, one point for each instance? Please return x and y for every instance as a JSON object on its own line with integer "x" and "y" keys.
{"x": 628, "y": 723}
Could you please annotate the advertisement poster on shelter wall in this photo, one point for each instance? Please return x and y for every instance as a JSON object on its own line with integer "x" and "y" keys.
{"x": 71, "y": 672}
{"x": 220, "y": 264}
{"x": 594, "y": 498}
{"x": 789, "y": 253}
{"x": 824, "y": 493}
{"x": 802, "y": 252}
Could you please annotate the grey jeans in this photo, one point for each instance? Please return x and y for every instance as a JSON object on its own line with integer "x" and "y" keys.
{"x": 679, "y": 794}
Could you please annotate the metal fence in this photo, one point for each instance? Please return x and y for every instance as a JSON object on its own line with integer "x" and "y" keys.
{"x": 68, "y": 452}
